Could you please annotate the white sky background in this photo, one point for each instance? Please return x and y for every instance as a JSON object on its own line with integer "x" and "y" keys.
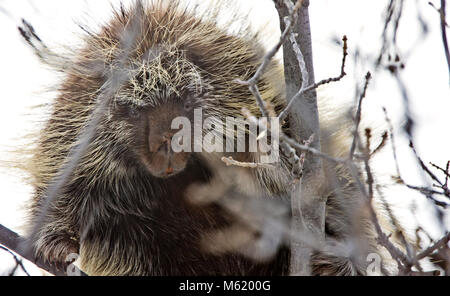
{"x": 23, "y": 78}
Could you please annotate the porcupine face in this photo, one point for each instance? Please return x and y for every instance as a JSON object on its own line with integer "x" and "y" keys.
{"x": 166, "y": 87}
{"x": 178, "y": 65}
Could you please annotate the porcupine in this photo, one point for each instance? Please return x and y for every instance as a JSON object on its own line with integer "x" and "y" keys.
{"x": 125, "y": 208}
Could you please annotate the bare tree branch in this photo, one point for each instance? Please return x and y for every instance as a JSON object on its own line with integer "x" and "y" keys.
{"x": 443, "y": 22}
{"x": 12, "y": 241}
{"x": 305, "y": 88}
{"x": 18, "y": 262}
{"x": 439, "y": 244}
{"x": 308, "y": 209}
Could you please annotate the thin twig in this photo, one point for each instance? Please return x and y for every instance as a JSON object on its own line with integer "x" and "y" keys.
{"x": 18, "y": 262}
{"x": 439, "y": 244}
{"x": 399, "y": 179}
{"x": 292, "y": 18}
{"x": 358, "y": 116}
{"x": 230, "y": 161}
{"x": 305, "y": 88}
{"x": 422, "y": 164}
{"x": 443, "y": 23}
{"x": 388, "y": 19}
{"x": 383, "y": 142}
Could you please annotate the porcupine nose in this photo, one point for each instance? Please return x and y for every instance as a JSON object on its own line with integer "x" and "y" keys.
{"x": 164, "y": 162}
{"x": 165, "y": 146}
{"x": 166, "y": 149}
{"x": 162, "y": 154}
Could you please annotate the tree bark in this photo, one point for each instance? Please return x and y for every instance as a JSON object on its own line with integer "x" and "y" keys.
{"x": 13, "y": 241}
{"x": 308, "y": 209}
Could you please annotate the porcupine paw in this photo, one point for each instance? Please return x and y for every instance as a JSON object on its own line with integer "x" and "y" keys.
{"x": 57, "y": 250}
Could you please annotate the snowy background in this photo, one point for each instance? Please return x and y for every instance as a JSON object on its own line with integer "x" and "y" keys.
{"x": 23, "y": 81}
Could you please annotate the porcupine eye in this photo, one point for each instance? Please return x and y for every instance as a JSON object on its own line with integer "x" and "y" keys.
{"x": 189, "y": 103}
{"x": 134, "y": 112}
{"x": 128, "y": 109}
